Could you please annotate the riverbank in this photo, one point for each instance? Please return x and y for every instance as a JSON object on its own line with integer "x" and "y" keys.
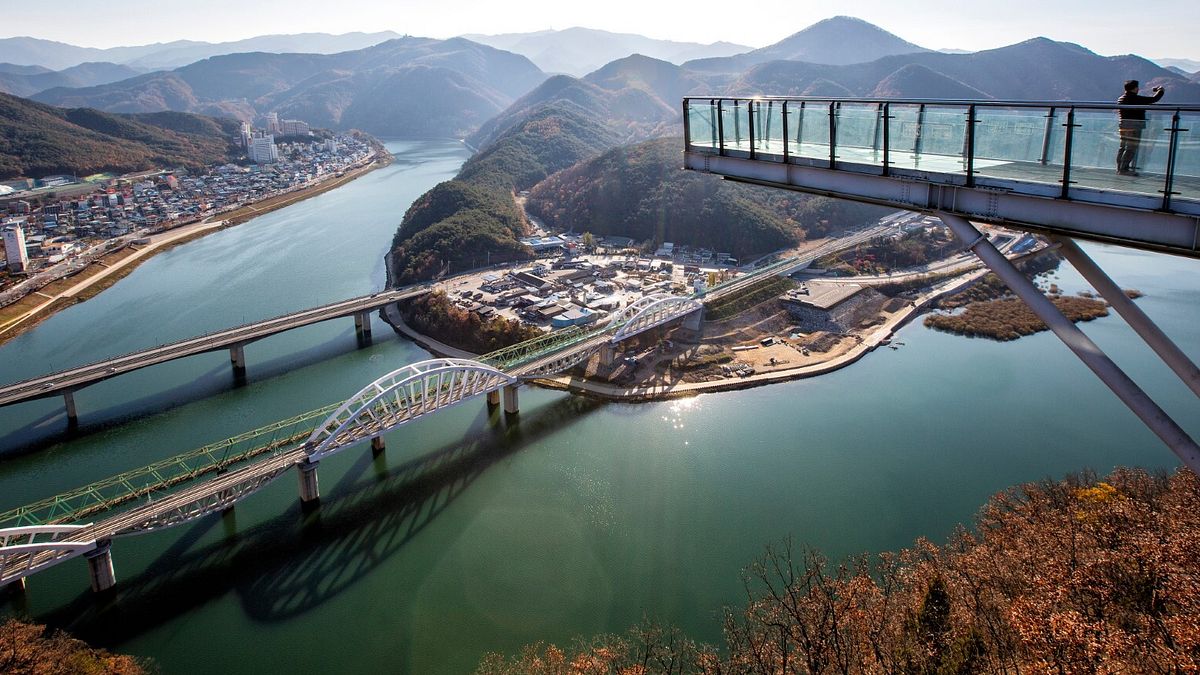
{"x": 662, "y": 390}
{"x": 110, "y": 268}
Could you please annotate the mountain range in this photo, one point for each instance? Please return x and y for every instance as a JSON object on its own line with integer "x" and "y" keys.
{"x": 27, "y": 80}
{"x": 578, "y": 51}
{"x": 28, "y": 51}
{"x": 413, "y": 87}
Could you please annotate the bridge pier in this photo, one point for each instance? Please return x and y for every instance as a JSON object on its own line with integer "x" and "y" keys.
{"x": 72, "y": 412}
{"x": 362, "y": 325}
{"x": 608, "y": 355}
{"x": 310, "y": 492}
{"x": 493, "y": 399}
{"x": 13, "y": 588}
{"x": 100, "y": 566}
{"x": 511, "y": 406}
{"x": 237, "y": 356}
{"x": 377, "y": 446}
{"x": 695, "y": 320}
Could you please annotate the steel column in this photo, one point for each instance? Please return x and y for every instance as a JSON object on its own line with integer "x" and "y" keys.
{"x": 1162, "y": 345}
{"x": 1154, "y": 417}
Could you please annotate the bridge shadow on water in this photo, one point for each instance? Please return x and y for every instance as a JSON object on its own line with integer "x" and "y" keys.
{"x": 52, "y": 427}
{"x": 295, "y": 562}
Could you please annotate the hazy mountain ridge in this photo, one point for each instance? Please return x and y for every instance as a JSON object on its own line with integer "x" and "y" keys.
{"x": 25, "y": 80}
{"x": 1037, "y": 69}
{"x": 58, "y": 55}
{"x": 840, "y": 40}
{"x": 578, "y": 51}
{"x": 414, "y": 87}
{"x": 39, "y": 140}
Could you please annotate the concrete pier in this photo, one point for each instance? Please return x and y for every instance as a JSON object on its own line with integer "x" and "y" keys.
{"x": 237, "y": 356}
{"x": 493, "y": 399}
{"x": 377, "y": 446}
{"x": 72, "y": 413}
{"x": 362, "y": 325}
{"x": 608, "y": 356}
{"x": 100, "y": 566}
{"x": 310, "y": 492}
{"x": 511, "y": 406}
{"x": 695, "y": 320}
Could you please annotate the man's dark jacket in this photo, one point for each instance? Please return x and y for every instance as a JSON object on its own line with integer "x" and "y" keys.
{"x": 1129, "y": 98}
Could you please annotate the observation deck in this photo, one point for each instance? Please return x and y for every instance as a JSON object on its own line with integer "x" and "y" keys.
{"x": 1041, "y": 166}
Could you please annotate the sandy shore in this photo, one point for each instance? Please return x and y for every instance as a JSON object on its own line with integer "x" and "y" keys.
{"x": 663, "y": 390}
{"x": 105, "y": 271}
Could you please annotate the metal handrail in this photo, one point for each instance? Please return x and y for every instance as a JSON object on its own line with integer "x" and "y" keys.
{"x": 987, "y": 103}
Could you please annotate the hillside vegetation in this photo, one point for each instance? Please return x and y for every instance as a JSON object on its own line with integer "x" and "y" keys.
{"x": 1075, "y": 576}
{"x": 473, "y": 219}
{"x": 640, "y": 191}
{"x": 38, "y": 140}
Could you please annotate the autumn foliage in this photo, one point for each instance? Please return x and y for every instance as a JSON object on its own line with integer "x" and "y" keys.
{"x": 1074, "y": 576}
{"x": 31, "y": 649}
{"x": 435, "y": 315}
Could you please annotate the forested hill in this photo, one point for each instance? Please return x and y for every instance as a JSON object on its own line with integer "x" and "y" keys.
{"x": 640, "y": 191}
{"x": 473, "y": 218}
{"x": 39, "y": 140}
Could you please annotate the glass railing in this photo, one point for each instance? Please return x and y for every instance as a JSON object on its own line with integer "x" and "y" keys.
{"x": 1060, "y": 149}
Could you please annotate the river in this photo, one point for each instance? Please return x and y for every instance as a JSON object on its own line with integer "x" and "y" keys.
{"x": 473, "y": 533}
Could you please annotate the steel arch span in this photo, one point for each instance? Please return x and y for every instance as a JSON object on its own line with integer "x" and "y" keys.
{"x": 650, "y": 312}
{"x": 29, "y": 549}
{"x": 401, "y": 396}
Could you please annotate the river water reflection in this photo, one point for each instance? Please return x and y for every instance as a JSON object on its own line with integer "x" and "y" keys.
{"x": 476, "y": 533}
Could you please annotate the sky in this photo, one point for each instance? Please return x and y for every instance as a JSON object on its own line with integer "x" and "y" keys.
{"x": 1151, "y": 28}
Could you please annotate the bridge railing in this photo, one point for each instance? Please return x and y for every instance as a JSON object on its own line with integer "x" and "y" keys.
{"x": 132, "y": 487}
{"x": 1069, "y": 149}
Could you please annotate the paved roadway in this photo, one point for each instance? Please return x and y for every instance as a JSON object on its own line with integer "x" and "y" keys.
{"x": 77, "y": 378}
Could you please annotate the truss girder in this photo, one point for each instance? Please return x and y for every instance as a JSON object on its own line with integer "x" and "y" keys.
{"x": 201, "y": 505}
{"x": 29, "y": 549}
{"x": 402, "y": 396}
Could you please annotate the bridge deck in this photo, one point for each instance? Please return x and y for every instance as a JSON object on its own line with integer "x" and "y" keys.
{"x": 75, "y": 378}
{"x": 1038, "y": 166}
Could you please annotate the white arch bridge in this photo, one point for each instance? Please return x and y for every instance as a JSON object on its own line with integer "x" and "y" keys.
{"x": 216, "y": 477}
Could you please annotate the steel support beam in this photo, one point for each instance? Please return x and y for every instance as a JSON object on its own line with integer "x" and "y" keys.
{"x": 1154, "y": 417}
{"x": 1162, "y": 345}
{"x": 1123, "y": 219}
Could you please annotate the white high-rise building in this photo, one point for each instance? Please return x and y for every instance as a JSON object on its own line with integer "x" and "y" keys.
{"x": 14, "y": 249}
{"x": 272, "y": 123}
{"x": 262, "y": 150}
{"x": 247, "y": 135}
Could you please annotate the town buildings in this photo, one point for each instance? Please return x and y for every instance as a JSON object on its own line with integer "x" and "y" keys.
{"x": 14, "y": 248}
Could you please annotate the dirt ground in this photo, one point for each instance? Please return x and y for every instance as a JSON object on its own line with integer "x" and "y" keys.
{"x": 684, "y": 356}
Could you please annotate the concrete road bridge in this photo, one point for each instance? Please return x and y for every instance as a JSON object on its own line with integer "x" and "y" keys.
{"x": 64, "y": 383}
{"x": 1043, "y": 167}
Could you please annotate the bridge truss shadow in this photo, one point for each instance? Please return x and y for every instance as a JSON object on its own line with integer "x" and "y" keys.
{"x": 295, "y": 562}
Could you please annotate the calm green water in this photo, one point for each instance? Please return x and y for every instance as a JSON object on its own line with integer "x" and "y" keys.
{"x": 474, "y": 533}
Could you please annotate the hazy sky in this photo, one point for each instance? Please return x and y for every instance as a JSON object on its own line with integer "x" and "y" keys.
{"x": 1155, "y": 28}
